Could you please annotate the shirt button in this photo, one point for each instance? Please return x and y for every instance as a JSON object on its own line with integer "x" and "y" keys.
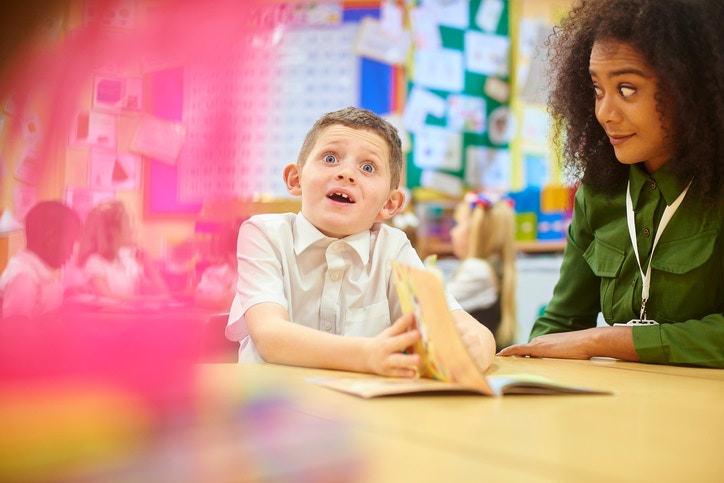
{"x": 647, "y": 233}
{"x": 327, "y": 326}
{"x": 335, "y": 276}
{"x": 653, "y": 185}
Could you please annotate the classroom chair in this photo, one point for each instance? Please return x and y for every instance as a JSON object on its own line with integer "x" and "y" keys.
{"x": 215, "y": 347}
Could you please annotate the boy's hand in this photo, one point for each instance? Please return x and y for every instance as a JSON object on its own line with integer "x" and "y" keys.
{"x": 477, "y": 339}
{"x": 385, "y": 352}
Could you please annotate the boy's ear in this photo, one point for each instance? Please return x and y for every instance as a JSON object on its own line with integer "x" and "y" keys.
{"x": 394, "y": 204}
{"x": 293, "y": 179}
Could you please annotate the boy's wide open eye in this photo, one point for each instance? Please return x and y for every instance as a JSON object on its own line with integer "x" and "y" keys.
{"x": 368, "y": 168}
{"x": 330, "y": 158}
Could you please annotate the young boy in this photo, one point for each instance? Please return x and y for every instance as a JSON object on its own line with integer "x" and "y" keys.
{"x": 316, "y": 288}
{"x": 28, "y": 287}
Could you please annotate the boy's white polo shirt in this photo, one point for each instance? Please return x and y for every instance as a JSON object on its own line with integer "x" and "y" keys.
{"x": 341, "y": 286}
{"x": 28, "y": 286}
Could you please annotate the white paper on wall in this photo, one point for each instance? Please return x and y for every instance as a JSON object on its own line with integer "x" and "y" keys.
{"x": 421, "y": 103}
{"x": 487, "y": 54}
{"x": 158, "y": 139}
{"x": 378, "y": 43}
{"x": 442, "y": 182}
{"x": 440, "y": 69}
{"x": 488, "y": 168}
{"x": 437, "y": 148}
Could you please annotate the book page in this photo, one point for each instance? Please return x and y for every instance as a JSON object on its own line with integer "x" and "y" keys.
{"x": 388, "y": 386}
{"x": 444, "y": 356}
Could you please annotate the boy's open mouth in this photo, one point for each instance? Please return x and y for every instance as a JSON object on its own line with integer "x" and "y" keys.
{"x": 341, "y": 197}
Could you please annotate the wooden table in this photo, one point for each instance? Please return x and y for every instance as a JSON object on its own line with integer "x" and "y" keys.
{"x": 661, "y": 424}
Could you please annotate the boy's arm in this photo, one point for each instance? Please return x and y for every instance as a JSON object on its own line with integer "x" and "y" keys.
{"x": 477, "y": 338}
{"x": 20, "y": 296}
{"x": 280, "y": 341}
{"x": 152, "y": 282}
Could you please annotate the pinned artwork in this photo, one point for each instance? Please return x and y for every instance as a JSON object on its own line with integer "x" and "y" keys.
{"x": 108, "y": 93}
{"x": 93, "y": 128}
{"x": 110, "y": 170}
{"x": 159, "y": 139}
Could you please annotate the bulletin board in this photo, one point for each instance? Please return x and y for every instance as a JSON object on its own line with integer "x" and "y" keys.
{"x": 241, "y": 132}
{"x": 458, "y": 93}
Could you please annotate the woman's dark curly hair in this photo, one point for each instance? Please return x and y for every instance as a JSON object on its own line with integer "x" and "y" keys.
{"x": 682, "y": 42}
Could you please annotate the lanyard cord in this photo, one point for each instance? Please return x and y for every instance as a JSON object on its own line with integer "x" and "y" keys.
{"x": 665, "y": 218}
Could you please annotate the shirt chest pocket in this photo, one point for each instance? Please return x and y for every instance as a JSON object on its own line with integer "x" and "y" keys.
{"x": 605, "y": 261}
{"x": 682, "y": 256}
{"x": 688, "y": 280}
{"x": 367, "y": 321}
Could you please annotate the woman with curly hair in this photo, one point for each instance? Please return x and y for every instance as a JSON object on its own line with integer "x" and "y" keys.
{"x": 637, "y": 102}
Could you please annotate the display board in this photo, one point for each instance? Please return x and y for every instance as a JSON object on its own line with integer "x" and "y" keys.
{"x": 457, "y": 105}
{"x": 246, "y": 112}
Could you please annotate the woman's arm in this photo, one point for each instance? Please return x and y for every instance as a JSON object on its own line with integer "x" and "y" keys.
{"x": 616, "y": 342}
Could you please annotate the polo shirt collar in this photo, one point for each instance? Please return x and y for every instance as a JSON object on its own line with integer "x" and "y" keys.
{"x": 308, "y": 235}
{"x": 33, "y": 260}
{"x": 669, "y": 186}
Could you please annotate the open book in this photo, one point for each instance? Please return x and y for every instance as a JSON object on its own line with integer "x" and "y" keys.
{"x": 446, "y": 364}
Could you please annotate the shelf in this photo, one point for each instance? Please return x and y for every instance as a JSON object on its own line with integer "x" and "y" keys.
{"x": 431, "y": 246}
{"x": 539, "y": 246}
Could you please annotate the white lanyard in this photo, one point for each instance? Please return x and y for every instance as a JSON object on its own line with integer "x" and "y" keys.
{"x": 665, "y": 218}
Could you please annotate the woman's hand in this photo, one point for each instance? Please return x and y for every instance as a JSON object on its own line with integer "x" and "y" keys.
{"x": 614, "y": 342}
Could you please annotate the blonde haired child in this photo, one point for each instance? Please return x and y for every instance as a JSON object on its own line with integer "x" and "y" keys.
{"x": 485, "y": 281}
{"x": 113, "y": 266}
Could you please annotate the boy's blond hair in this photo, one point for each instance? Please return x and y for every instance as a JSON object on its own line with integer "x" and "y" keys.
{"x": 357, "y": 118}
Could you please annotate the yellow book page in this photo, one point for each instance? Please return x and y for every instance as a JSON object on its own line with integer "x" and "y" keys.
{"x": 444, "y": 356}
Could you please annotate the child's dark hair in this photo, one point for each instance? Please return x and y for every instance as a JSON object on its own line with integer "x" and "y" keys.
{"x": 46, "y": 217}
{"x": 682, "y": 42}
{"x": 358, "y": 118}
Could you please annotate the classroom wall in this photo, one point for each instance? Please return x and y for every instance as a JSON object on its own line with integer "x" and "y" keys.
{"x": 47, "y": 164}
{"x": 63, "y": 167}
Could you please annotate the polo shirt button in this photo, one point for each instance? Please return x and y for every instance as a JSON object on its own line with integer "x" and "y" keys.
{"x": 647, "y": 233}
{"x": 653, "y": 185}
{"x": 334, "y": 276}
{"x": 327, "y": 326}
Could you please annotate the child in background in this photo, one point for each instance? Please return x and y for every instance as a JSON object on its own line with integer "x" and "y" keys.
{"x": 485, "y": 281}
{"x": 28, "y": 286}
{"x": 316, "y": 289}
{"x": 113, "y": 266}
{"x": 217, "y": 286}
